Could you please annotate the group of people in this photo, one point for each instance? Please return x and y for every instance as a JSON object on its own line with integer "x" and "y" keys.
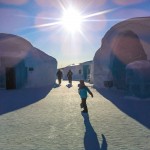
{"x": 60, "y": 75}
{"x": 82, "y": 89}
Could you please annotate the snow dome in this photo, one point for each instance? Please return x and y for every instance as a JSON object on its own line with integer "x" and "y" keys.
{"x": 22, "y": 65}
{"x": 124, "y": 43}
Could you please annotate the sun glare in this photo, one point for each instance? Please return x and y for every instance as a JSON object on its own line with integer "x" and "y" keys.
{"x": 72, "y": 20}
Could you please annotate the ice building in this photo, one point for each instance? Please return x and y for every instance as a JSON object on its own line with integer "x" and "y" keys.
{"x": 22, "y": 65}
{"x": 80, "y": 71}
{"x": 124, "y": 54}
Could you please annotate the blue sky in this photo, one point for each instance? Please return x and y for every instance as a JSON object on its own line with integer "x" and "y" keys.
{"x": 37, "y": 21}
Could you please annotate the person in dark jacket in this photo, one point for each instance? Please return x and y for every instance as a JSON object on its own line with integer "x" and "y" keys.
{"x": 69, "y": 75}
{"x": 59, "y": 76}
{"x": 83, "y": 90}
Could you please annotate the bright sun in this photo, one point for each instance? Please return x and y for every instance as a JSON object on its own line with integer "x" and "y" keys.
{"x": 72, "y": 20}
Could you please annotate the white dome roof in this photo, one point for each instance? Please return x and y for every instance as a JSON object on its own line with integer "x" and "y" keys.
{"x": 12, "y": 44}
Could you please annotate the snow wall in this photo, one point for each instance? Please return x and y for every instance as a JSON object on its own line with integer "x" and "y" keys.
{"x": 41, "y": 69}
{"x": 23, "y": 65}
{"x": 125, "y": 43}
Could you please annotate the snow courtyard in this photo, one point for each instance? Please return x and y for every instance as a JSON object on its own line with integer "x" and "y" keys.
{"x": 50, "y": 119}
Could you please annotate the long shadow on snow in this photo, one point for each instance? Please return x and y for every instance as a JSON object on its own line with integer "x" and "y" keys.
{"x": 11, "y": 100}
{"x": 90, "y": 138}
{"x": 138, "y": 109}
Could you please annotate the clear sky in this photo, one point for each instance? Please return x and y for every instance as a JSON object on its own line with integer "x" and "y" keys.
{"x": 68, "y": 30}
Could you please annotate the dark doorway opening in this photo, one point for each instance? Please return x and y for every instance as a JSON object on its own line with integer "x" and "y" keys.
{"x": 10, "y": 78}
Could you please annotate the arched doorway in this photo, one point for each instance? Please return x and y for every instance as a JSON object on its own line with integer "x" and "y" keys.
{"x": 126, "y": 48}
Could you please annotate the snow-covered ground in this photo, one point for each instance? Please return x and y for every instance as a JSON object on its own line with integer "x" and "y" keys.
{"x": 51, "y": 119}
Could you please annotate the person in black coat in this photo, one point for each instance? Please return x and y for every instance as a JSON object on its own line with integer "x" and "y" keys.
{"x": 69, "y": 75}
{"x": 59, "y": 76}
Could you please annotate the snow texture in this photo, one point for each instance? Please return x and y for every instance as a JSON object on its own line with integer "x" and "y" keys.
{"x": 45, "y": 118}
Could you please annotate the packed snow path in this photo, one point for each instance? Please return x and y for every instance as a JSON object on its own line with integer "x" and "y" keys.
{"x": 55, "y": 123}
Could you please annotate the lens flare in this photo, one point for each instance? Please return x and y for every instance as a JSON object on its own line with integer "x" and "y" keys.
{"x": 72, "y": 20}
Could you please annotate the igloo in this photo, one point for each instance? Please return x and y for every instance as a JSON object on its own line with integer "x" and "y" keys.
{"x": 22, "y": 65}
{"x": 125, "y": 43}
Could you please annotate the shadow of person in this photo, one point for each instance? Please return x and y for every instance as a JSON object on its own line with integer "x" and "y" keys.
{"x": 90, "y": 138}
{"x": 56, "y": 85}
{"x": 69, "y": 85}
{"x": 104, "y": 143}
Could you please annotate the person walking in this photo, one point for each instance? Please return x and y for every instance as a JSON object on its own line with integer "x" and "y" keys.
{"x": 83, "y": 90}
{"x": 59, "y": 76}
{"x": 69, "y": 75}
